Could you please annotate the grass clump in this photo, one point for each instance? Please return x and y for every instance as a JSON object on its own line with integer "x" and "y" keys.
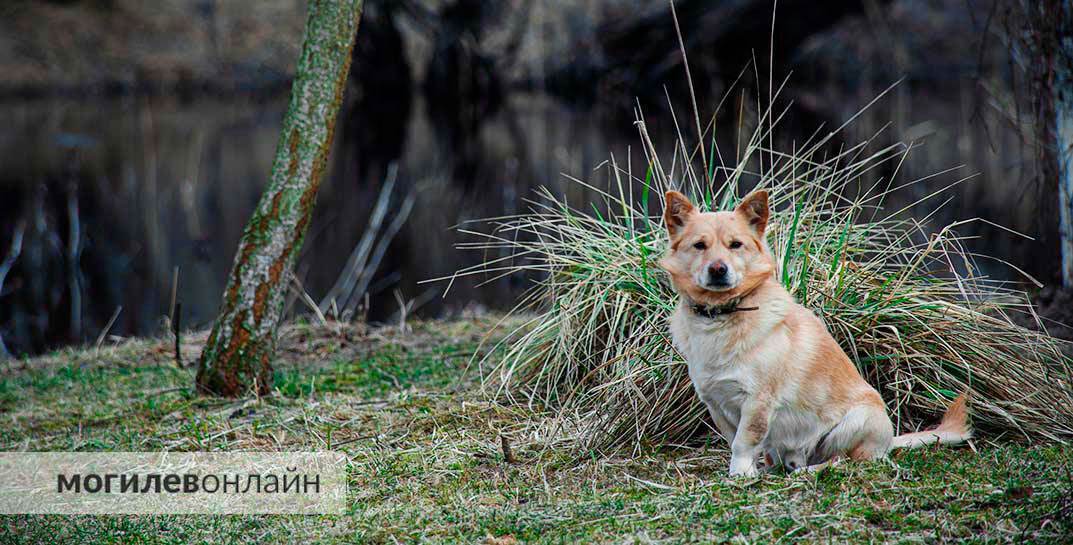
{"x": 426, "y": 463}
{"x": 907, "y": 304}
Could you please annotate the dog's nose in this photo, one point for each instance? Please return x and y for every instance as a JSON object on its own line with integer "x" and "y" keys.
{"x": 717, "y": 270}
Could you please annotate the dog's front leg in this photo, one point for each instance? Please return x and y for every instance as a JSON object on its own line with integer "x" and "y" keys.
{"x": 752, "y": 429}
{"x": 724, "y": 426}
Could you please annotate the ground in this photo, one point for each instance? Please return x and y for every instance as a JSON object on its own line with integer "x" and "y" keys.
{"x": 427, "y": 463}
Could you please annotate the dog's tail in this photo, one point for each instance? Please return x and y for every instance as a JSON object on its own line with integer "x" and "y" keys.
{"x": 953, "y": 429}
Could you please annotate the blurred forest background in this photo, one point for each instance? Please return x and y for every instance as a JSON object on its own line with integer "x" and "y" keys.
{"x": 136, "y": 137}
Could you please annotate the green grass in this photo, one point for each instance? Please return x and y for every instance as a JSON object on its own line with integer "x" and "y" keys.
{"x": 426, "y": 463}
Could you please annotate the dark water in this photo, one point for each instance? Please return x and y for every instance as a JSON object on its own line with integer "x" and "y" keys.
{"x": 151, "y": 187}
{"x": 154, "y": 186}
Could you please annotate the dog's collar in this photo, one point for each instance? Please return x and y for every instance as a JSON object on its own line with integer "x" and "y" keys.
{"x": 711, "y": 312}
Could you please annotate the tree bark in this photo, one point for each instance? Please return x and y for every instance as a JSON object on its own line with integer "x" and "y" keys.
{"x": 1041, "y": 40}
{"x": 1062, "y": 65}
{"x": 237, "y": 358}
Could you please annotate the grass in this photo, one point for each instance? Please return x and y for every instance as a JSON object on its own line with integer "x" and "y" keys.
{"x": 426, "y": 463}
{"x": 907, "y": 302}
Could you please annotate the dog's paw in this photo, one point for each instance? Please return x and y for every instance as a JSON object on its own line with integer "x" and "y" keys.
{"x": 744, "y": 472}
{"x": 742, "y": 468}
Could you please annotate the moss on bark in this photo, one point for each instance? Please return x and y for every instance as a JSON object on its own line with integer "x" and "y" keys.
{"x": 237, "y": 358}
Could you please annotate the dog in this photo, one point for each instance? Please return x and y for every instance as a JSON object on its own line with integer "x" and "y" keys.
{"x": 779, "y": 388}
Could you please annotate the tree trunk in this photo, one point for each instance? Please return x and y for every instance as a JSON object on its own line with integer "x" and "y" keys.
{"x": 1041, "y": 39}
{"x": 1063, "y": 135}
{"x": 237, "y": 357}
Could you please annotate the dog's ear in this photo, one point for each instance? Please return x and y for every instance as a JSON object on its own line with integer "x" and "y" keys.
{"x": 677, "y": 211}
{"x": 754, "y": 209}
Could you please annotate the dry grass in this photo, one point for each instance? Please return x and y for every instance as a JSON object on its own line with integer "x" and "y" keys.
{"x": 426, "y": 462}
{"x": 906, "y": 302}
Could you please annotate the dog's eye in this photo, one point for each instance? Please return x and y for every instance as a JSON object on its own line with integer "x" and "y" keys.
{"x": 734, "y": 245}
{"x": 700, "y": 245}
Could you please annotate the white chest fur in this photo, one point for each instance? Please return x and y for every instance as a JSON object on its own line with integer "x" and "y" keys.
{"x": 734, "y": 358}
{"x": 734, "y": 348}
{"x": 718, "y": 359}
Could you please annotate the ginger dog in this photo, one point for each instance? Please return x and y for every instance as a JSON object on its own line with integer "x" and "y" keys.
{"x": 777, "y": 385}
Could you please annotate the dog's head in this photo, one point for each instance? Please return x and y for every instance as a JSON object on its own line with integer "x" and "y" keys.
{"x": 716, "y": 257}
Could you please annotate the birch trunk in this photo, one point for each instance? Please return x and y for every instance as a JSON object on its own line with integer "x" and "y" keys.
{"x": 1063, "y": 135}
{"x": 237, "y": 358}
